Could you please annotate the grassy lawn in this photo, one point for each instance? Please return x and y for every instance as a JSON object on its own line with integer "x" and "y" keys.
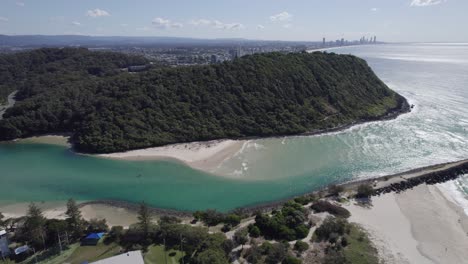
{"x": 155, "y": 255}
{"x": 93, "y": 253}
{"x": 360, "y": 249}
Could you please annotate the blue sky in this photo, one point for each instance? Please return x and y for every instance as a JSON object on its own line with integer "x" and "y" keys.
{"x": 390, "y": 20}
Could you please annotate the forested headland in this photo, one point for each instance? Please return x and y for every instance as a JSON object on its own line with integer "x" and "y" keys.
{"x": 106, "y": 109}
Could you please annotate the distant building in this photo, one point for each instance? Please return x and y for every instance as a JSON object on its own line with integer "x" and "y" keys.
{"x": 133, "y": 257}
{"x": 4, "y": 249}
{"x": 324, "y": 43}
{"x": 214, "y": 59}
{"x": 342, "y": 41}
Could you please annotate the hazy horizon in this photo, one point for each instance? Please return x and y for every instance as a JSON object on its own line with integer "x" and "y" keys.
{"x": 300, "y": 20}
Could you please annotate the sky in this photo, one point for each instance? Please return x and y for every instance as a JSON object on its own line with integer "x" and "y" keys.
{"x": 304, "y": 20}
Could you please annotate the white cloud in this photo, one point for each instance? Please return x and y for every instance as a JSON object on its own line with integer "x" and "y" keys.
{"x": 260, "y": 27}
{"x": 200, "y": 22}
{"x": 426, "y": 2}
{"x": 124, "y": 25}
{"x": 165, "y": 23}
{"x": 216, "y": 24}
{"x": 76, "y": 23}
{"x": 97, "y": 13}
{"x": 283, "y": 16}
{"x": 20, "y": 4}
{"x": 374, "y": 9}
{"x": 227, "y": 26}
{"x": 287, "y": 25}
{"x": 3, "y": 19}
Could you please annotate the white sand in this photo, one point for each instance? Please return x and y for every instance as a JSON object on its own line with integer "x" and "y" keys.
{"x": 206, "y": 156}
{"x": 115, "y": 216}
{"x": 47, "y": 139}
{"x": 416, "y": 226}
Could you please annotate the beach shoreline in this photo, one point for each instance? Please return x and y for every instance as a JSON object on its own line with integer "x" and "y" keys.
{"x": 418, "y": 225}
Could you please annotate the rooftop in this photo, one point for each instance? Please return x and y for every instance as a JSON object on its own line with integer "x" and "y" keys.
{"x": 134, "y": 257}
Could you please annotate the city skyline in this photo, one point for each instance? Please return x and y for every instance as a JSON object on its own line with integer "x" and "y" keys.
{"x": 300, "y": 20}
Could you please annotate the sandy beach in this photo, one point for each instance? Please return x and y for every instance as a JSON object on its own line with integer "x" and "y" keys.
{"x": 115, "y": 216}
{"x": 415, "y": 226}
{"x": 60, "y": 140}
{"x": 206, "y": 156}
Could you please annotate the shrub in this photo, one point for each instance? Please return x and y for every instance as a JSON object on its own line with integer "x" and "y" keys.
{"x": 364, "y": 191}
{"x": 254, "y": 231}
{"x": 301, "y": 246}
{"x": 291, "y": 260}
{"x": 169, "y": 220}
{"x": 232, "y": 219}
{"x": 335, "y": 190}
{"x": 324, "y": 206}
{"x": 330, "y": 227}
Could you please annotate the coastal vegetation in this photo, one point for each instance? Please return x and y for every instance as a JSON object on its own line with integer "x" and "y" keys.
{"x": 107, "y": 109}
{"x": 262, "y": 237}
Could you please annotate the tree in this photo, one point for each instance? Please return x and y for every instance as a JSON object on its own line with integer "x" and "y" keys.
{"x": 74, "y": 219}
{"x": 277, "y": 253}
{"x": 364, "y": 191}
{"x": 240, "y": 237}
{"x": 97, "y": 225}
{"x": 212, "y": 256}
{"x": 115, "y": 234}
{"x": 34, "y": 226}
{"x": 144, "y": 219}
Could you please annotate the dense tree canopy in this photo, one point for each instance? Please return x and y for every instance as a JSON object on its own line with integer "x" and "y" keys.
{"x": 107, "y": 110}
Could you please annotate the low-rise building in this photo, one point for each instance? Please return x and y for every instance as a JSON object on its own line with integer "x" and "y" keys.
{"x": 134, "y": 257}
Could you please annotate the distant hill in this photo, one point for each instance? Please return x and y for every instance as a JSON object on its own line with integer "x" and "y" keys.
{"x": 98, "y": 41}
{"x": 106, "y": 110}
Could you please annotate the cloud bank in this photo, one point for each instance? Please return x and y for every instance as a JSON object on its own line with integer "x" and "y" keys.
{"x": 427, "y": 2}
{"x": 165, "y": 23}
{"x": 283, "y": 16}
{"x": 97, "y": 13}
{"x": 216, "y": 24}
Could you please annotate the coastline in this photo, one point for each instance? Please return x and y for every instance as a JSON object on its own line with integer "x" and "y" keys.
{"x": 419, "y": 225}
{"x": 206, "y": 155}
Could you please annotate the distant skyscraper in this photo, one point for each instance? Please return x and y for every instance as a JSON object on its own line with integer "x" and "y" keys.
{"x": 375, "y": 39}
{"x": 342, "y": 41}
{"x": 324, "y": 42}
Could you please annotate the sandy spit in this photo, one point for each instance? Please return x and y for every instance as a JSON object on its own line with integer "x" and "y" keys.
{"x": 205, "y": 156}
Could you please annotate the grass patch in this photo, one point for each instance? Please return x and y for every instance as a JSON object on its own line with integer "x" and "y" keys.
{"x": 93, "y": 253}
{"x": 155, "y": 255}
{"x": 360, "y": 249}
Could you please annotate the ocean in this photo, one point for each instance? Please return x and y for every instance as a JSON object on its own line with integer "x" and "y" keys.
{"x": 433, "y": 77}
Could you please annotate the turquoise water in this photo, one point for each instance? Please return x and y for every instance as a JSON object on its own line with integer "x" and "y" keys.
{"x": 433, "y": 77}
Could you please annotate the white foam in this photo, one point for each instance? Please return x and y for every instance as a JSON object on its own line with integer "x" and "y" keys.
{"x": 453, "y": 191}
